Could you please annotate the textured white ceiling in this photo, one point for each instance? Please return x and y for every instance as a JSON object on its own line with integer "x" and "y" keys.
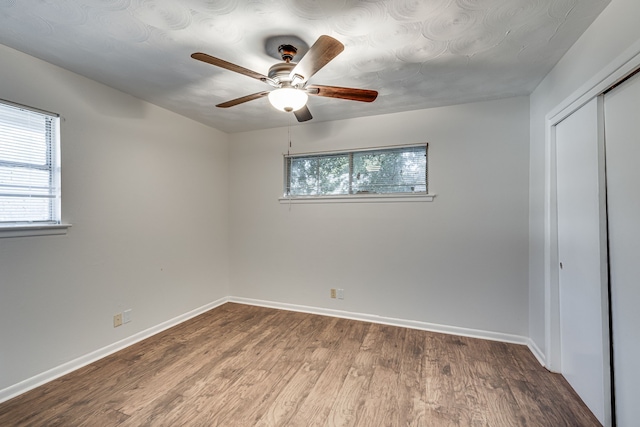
{"x": 415, "y": 53}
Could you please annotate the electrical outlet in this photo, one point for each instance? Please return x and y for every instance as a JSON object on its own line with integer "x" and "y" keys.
{"x": 117, "y": 320}
{"x": 340, "y": 293}
{"x": 126, "y": 316}
{"x": 333, "y": 293}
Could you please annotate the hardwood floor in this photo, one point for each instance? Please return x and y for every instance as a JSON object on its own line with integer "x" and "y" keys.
{"x": 241, "y": 365}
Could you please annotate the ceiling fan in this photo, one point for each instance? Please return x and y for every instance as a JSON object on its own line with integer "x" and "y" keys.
{"x": 290, "y": 80}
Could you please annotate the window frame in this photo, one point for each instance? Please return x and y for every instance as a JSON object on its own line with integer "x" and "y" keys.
{"x": 54, "y": 225}
{"x": 355, "y": 197}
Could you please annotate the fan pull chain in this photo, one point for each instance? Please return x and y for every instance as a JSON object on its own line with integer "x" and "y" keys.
{"x": 288, "y": 153}
{"x": 289, "y": 134}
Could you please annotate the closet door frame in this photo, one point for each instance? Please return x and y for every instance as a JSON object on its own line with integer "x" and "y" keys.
{"x": 616, "y": 72}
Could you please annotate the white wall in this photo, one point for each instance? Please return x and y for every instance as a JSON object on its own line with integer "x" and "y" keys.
{"x": 614, "y": 31}
{"x": 146, "y": 191}
{"x": 461, "y": 260}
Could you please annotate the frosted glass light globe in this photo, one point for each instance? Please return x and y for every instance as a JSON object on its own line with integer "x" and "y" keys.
{"x": 288, "y": 99}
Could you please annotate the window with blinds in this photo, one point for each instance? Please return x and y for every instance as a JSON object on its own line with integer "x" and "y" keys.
{"x": 381, "y": 171}
{"x": 29, "y": 166}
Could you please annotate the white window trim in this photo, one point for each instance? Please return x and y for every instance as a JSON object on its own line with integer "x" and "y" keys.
{"x": 355, "y": 150}
{"x": 28, "y": 230}
{"x": 359, "y": 198}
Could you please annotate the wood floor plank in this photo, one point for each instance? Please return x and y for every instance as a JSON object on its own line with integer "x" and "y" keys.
{"x": 382, "y": 395}
{"x": 143, "y": 402}
{"x": 259, "y": 389}
{"x": 451, "y": 395}
{"x": 223, "y": 372}
{"x": 341, "y": 353}
{"x": 311, "y": 364}
{"x": 493, "y": 402}
{"x": 240, "y": 365}
{"x": 412, "y": 387}
{"x": 350, "y": 399}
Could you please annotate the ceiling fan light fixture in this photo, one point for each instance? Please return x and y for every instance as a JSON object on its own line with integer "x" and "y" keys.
{"x": 289, "y": 79}
{"x": 288, "y": 99}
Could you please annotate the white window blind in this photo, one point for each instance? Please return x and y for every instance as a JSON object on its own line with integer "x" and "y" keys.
{"x": 380, "y": 171}
{"x": 29, "y": 166}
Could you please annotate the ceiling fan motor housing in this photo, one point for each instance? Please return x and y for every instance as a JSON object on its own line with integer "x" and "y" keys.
{"x": 280, "y": 73}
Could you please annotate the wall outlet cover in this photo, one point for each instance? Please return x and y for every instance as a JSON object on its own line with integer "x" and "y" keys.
{"x": 117, "y": 320}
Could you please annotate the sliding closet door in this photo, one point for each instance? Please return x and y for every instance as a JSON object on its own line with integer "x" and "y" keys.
{"x": 622, "y": 124}
{"x": 583, "y": 289}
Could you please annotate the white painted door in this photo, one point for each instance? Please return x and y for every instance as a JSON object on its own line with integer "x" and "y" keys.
{"x": 583, "y": 289}
{"x": 622, "y": 124}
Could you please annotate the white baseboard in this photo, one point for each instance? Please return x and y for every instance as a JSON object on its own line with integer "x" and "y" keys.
{"x": 539, "y": 354}
{"x": 65, "y": 368}
{"x": 413, "y": 324}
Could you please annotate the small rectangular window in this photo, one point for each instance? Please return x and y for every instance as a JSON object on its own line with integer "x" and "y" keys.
{"x": 399, "y": 170}
{"x": 29, "y": 166}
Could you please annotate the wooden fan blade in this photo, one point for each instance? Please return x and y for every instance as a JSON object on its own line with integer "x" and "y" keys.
{"x": 243, "y": 99}
{"x": 323, "y": 50}
{"x": 362, "y": 95}
{"x": 228, "y": 65}
{"x": 303, "y": 114}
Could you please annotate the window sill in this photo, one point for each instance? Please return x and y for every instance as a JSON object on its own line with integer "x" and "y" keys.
{"x": 359, "y": 198}
{"x": 27, "y": 230}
